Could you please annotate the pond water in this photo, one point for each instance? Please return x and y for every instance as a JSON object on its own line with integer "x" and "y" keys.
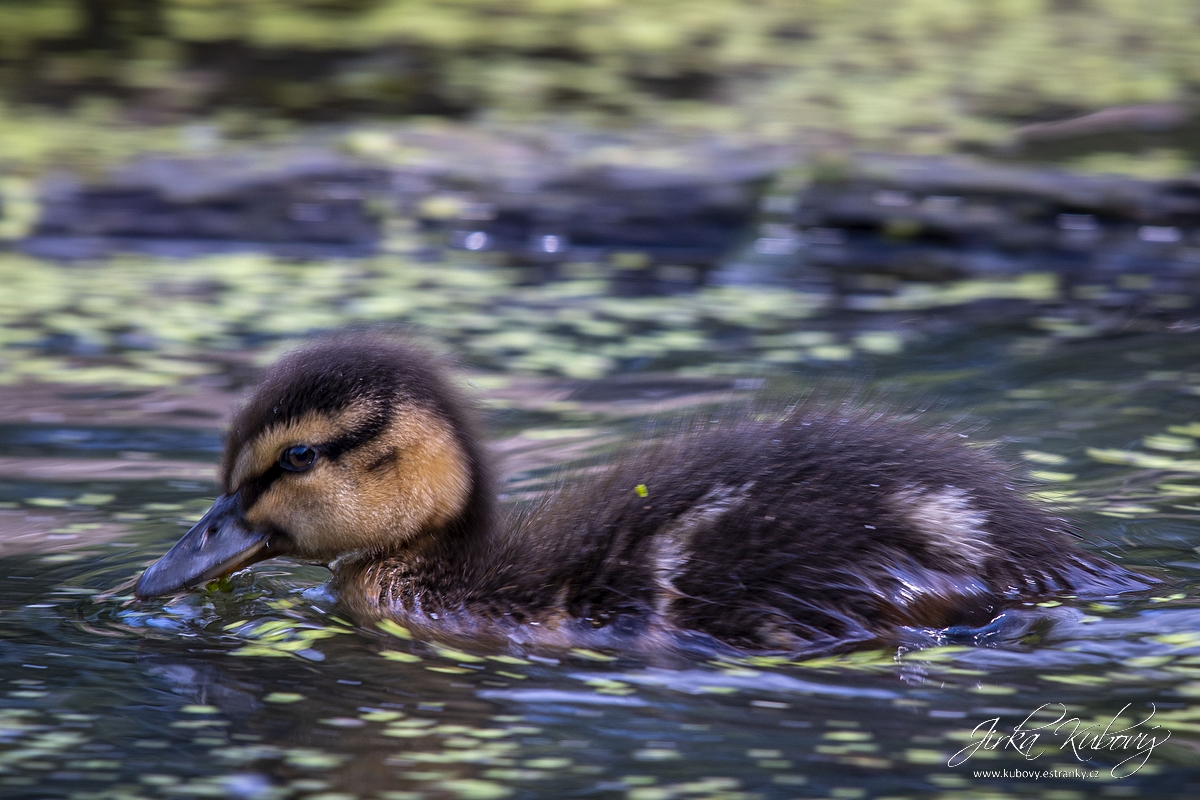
{"x": 117, "y": 375}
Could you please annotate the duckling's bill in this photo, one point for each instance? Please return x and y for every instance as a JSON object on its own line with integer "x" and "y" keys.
{"x": 220, "y": 543}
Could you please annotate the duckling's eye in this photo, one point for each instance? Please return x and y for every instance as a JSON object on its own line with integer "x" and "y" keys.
{"x": 298, "y": 458}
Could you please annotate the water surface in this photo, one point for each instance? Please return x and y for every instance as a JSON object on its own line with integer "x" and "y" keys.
{"x": 256, "y": 688}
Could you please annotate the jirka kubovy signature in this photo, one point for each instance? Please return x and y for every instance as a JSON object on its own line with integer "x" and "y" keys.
{"x": 1085, "y": 741}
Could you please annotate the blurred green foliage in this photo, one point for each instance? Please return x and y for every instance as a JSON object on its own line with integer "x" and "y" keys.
{"x": 919, "y": 75}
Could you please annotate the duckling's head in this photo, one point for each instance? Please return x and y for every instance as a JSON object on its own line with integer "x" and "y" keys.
{"x": 357, "y": 445}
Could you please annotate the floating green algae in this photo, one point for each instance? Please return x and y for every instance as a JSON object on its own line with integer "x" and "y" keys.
{"x": 144, "y": 322}
{"x": 155, "y": 322}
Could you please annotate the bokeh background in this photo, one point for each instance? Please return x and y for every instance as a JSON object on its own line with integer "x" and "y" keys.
{"x": 873, "y": 155}
{"x": 914, "y": 76}
{"x": 981, "y": 215}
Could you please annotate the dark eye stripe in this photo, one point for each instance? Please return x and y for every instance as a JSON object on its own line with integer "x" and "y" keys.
{"x": 251, "y": 490}
{"x": 335, "y": 448}
{"x": 254, "y": 488}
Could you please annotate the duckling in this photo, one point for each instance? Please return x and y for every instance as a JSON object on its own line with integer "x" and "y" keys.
{"x": 812, "y": 529}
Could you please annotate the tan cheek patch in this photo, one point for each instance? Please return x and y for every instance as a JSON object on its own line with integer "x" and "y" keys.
{"x": 430, "y": 468}
{"x": 304, "y": 505}
{"x": 412, "y": 477}
{"x": 262, "y": 452}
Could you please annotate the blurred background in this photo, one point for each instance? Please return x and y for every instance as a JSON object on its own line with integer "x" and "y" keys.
{"x": 981, "y": 214}
{"x": 916, "y": 76}
{"x": 864, "y": 156}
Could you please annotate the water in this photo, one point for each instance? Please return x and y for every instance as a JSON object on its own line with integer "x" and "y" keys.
{"x": 258, "y": 689}
{"x": 168, "y": 225}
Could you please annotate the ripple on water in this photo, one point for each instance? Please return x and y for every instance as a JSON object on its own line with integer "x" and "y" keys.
{"x": 257, "y": 688}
